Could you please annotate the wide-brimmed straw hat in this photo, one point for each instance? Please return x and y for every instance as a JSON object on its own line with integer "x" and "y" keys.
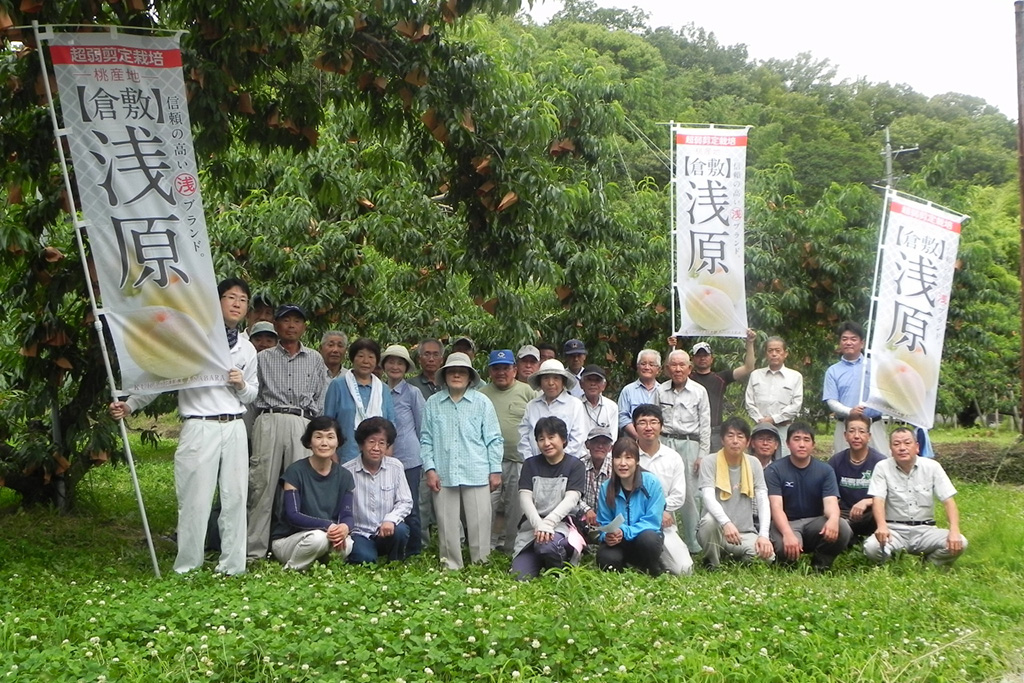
{"x": 552, "y": 366}
{"x": 397, "y": 351}
{"x": 457, "y": 360}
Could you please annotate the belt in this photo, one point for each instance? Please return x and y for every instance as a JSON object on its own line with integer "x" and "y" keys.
{"x": 223, "y": 417}
{"x": 684, "y": 437}
{"x": 926, "y": 522}
{"x": 306, "y": 413}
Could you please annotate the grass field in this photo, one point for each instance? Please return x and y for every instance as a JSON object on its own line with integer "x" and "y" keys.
{"x": 82, "y": 604}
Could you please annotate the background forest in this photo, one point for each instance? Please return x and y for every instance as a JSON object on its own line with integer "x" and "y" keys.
{"x": 407, "y": 170}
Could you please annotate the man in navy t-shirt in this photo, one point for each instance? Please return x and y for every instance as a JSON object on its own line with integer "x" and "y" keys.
{"x": 853, "y": 467}
{"x": 804, "y": 499}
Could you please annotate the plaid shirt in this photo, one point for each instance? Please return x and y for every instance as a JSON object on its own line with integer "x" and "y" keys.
{"x": 286, "y": 381}
{"x": 594, "y": 480}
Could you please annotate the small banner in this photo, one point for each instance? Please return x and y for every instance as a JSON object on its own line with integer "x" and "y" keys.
{"x": 709, "y": 169}
{"x": 918, "y": 251}
{"x": 124, "y": 108}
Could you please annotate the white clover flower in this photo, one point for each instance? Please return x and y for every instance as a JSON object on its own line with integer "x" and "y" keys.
{"x": 622, "y": 668}
{"x": 427, "y": 670}
{"x": 571, "y": 641}
{"x": 708, "y": 669}
{"x": 471, "y": 639}
{"x": 305, "y": 667}
{"x": 491, "y": 652}
{"x": 515, "y": 674}
{"x": 328, "y": 630}
{"x": 535, "y": 644}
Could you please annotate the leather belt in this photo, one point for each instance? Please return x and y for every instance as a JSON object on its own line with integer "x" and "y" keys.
{"x": 308, "y": 414}
{"x": 224, "y": 417}
{"x": 926, "y": 522}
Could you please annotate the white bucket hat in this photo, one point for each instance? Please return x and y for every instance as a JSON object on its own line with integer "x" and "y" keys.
{"x": 397, "y": 351}
{"x": 458, "y": 360}
{"x": 552, "y": 366}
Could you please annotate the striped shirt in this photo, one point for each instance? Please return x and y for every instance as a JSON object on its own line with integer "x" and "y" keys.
{"x": 381, "y": 497}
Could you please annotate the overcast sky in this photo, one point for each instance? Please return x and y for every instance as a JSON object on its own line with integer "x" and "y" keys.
{"x": 935, "y": 46}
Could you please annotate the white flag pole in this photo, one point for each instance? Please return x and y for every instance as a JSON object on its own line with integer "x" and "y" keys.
{"x": 673, "y": 228}
{"x": 60, "y": 133}
{"x": 875, "y": 284}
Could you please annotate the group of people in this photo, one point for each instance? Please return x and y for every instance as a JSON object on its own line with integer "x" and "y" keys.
{"x": 313, "y": 459}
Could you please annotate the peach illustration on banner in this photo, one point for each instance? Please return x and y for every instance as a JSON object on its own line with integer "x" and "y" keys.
{"x": 165, "y": 342}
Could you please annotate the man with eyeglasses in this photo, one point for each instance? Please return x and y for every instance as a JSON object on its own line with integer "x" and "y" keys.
{"x": 687, "y": 431}
{"x": 600, "y": 410}
{"x": 643, "y": 391}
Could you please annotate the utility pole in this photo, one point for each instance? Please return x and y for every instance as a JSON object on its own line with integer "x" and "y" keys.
{"x": 891, "y": 154}
{"x": 1018, "y": 8}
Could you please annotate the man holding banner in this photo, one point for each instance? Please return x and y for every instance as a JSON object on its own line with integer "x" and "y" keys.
{"x": 846, "y": 383}
{"x": 212, "y": 444}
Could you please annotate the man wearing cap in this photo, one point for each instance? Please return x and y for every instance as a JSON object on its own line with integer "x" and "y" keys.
{"x": 262, "y": 335}
{"x": 600, "y": 410}
{"x": 293, "y": 382}
{"x": 430, "y": 354}
{"x": 847, "y": 383}
{"x": 716, "y": 382}
{"x": 575, "y": 353}
{"x": 509, "y": 397}
{"x": 527, "y": 362}
{"x": 408, "y": 405}
{"x": 764, "y": 443}
{"x": 554, "y": 400}
{"x": 775, "y": 394}
{"x": 643, "y": 391}
{"x": 461, "y": 449}
{"x": 333, "y": 346}
{"x": 905, "y": 487}
{"x": 687, "y": 431}
{"x": 598, "y": 466}
{"x": 211, "y": 448}
{"x": 260, "y": 311}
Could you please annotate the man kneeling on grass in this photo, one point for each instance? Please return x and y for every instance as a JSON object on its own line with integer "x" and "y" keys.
{"x": 382, "y": 495}
{"x": 314, "y": 501}
{"x": 804, "y": 500}
{"x": 905, "y": 488}
{"x": 732, "y": 484}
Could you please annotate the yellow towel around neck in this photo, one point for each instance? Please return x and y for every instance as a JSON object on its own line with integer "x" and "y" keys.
{"x": 722, "y": 477}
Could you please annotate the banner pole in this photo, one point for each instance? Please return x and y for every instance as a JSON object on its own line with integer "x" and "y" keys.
{"x": 59, "y": 134}
{"x": 673, "y": 232}
{"x": 875, "y": 284}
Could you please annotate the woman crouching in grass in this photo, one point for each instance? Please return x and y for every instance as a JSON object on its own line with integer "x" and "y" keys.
{"x": 550, "y": 487}
{"x": 314, "y": 503}
{"x": 637, "y": 497}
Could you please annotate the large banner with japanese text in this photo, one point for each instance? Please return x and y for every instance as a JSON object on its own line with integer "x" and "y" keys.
{"x": 709, "y": 176}
{"x": 917, "y": 259}
{"x": 123, "y": 105}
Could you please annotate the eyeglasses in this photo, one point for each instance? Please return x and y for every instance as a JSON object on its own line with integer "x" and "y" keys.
{"x": 244, "y": 300}
{"x": 648, "y": 423}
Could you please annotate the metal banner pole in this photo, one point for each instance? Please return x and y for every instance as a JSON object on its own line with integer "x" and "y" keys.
{"x": 60, "y": 133}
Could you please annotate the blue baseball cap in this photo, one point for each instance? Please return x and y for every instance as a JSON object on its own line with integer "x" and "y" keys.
{"x": 501, "y": 357}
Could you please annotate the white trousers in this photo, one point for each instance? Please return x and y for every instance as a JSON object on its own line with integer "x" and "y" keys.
{"x": 303, "y": 548}
{"x": 928, "y": 541}
{"x": 275, "y": 445}
{"x": 206, "y": 448}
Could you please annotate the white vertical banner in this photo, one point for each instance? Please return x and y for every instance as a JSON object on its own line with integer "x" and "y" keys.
{"x": 124, "y": 108}
{"x": 918, "y": 251}
{"x": 709, "y": 177}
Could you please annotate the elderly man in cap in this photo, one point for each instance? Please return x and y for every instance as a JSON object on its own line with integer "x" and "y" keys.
{"x": 600, "y": 410}
{"x": 598, "y": 464}
{"x": 554, "y": 401}
{"x": 509, "y": 397}
{"x": 461, "y": 449}
{"x": 716, "y": 382}
{"x": 408, "y": 405}
{"x": 765, "y": 443}
{"x": 293, "y": 383}
{"x": 263, "y": 335}
{"x": 644, "y": 391}
{"x": 260, "y": 311}
{"x": 527, "y": 362}
{"x": 333, "y": 346}
{"x": 687, "y": 431}
{"x": 575, "y": 353}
